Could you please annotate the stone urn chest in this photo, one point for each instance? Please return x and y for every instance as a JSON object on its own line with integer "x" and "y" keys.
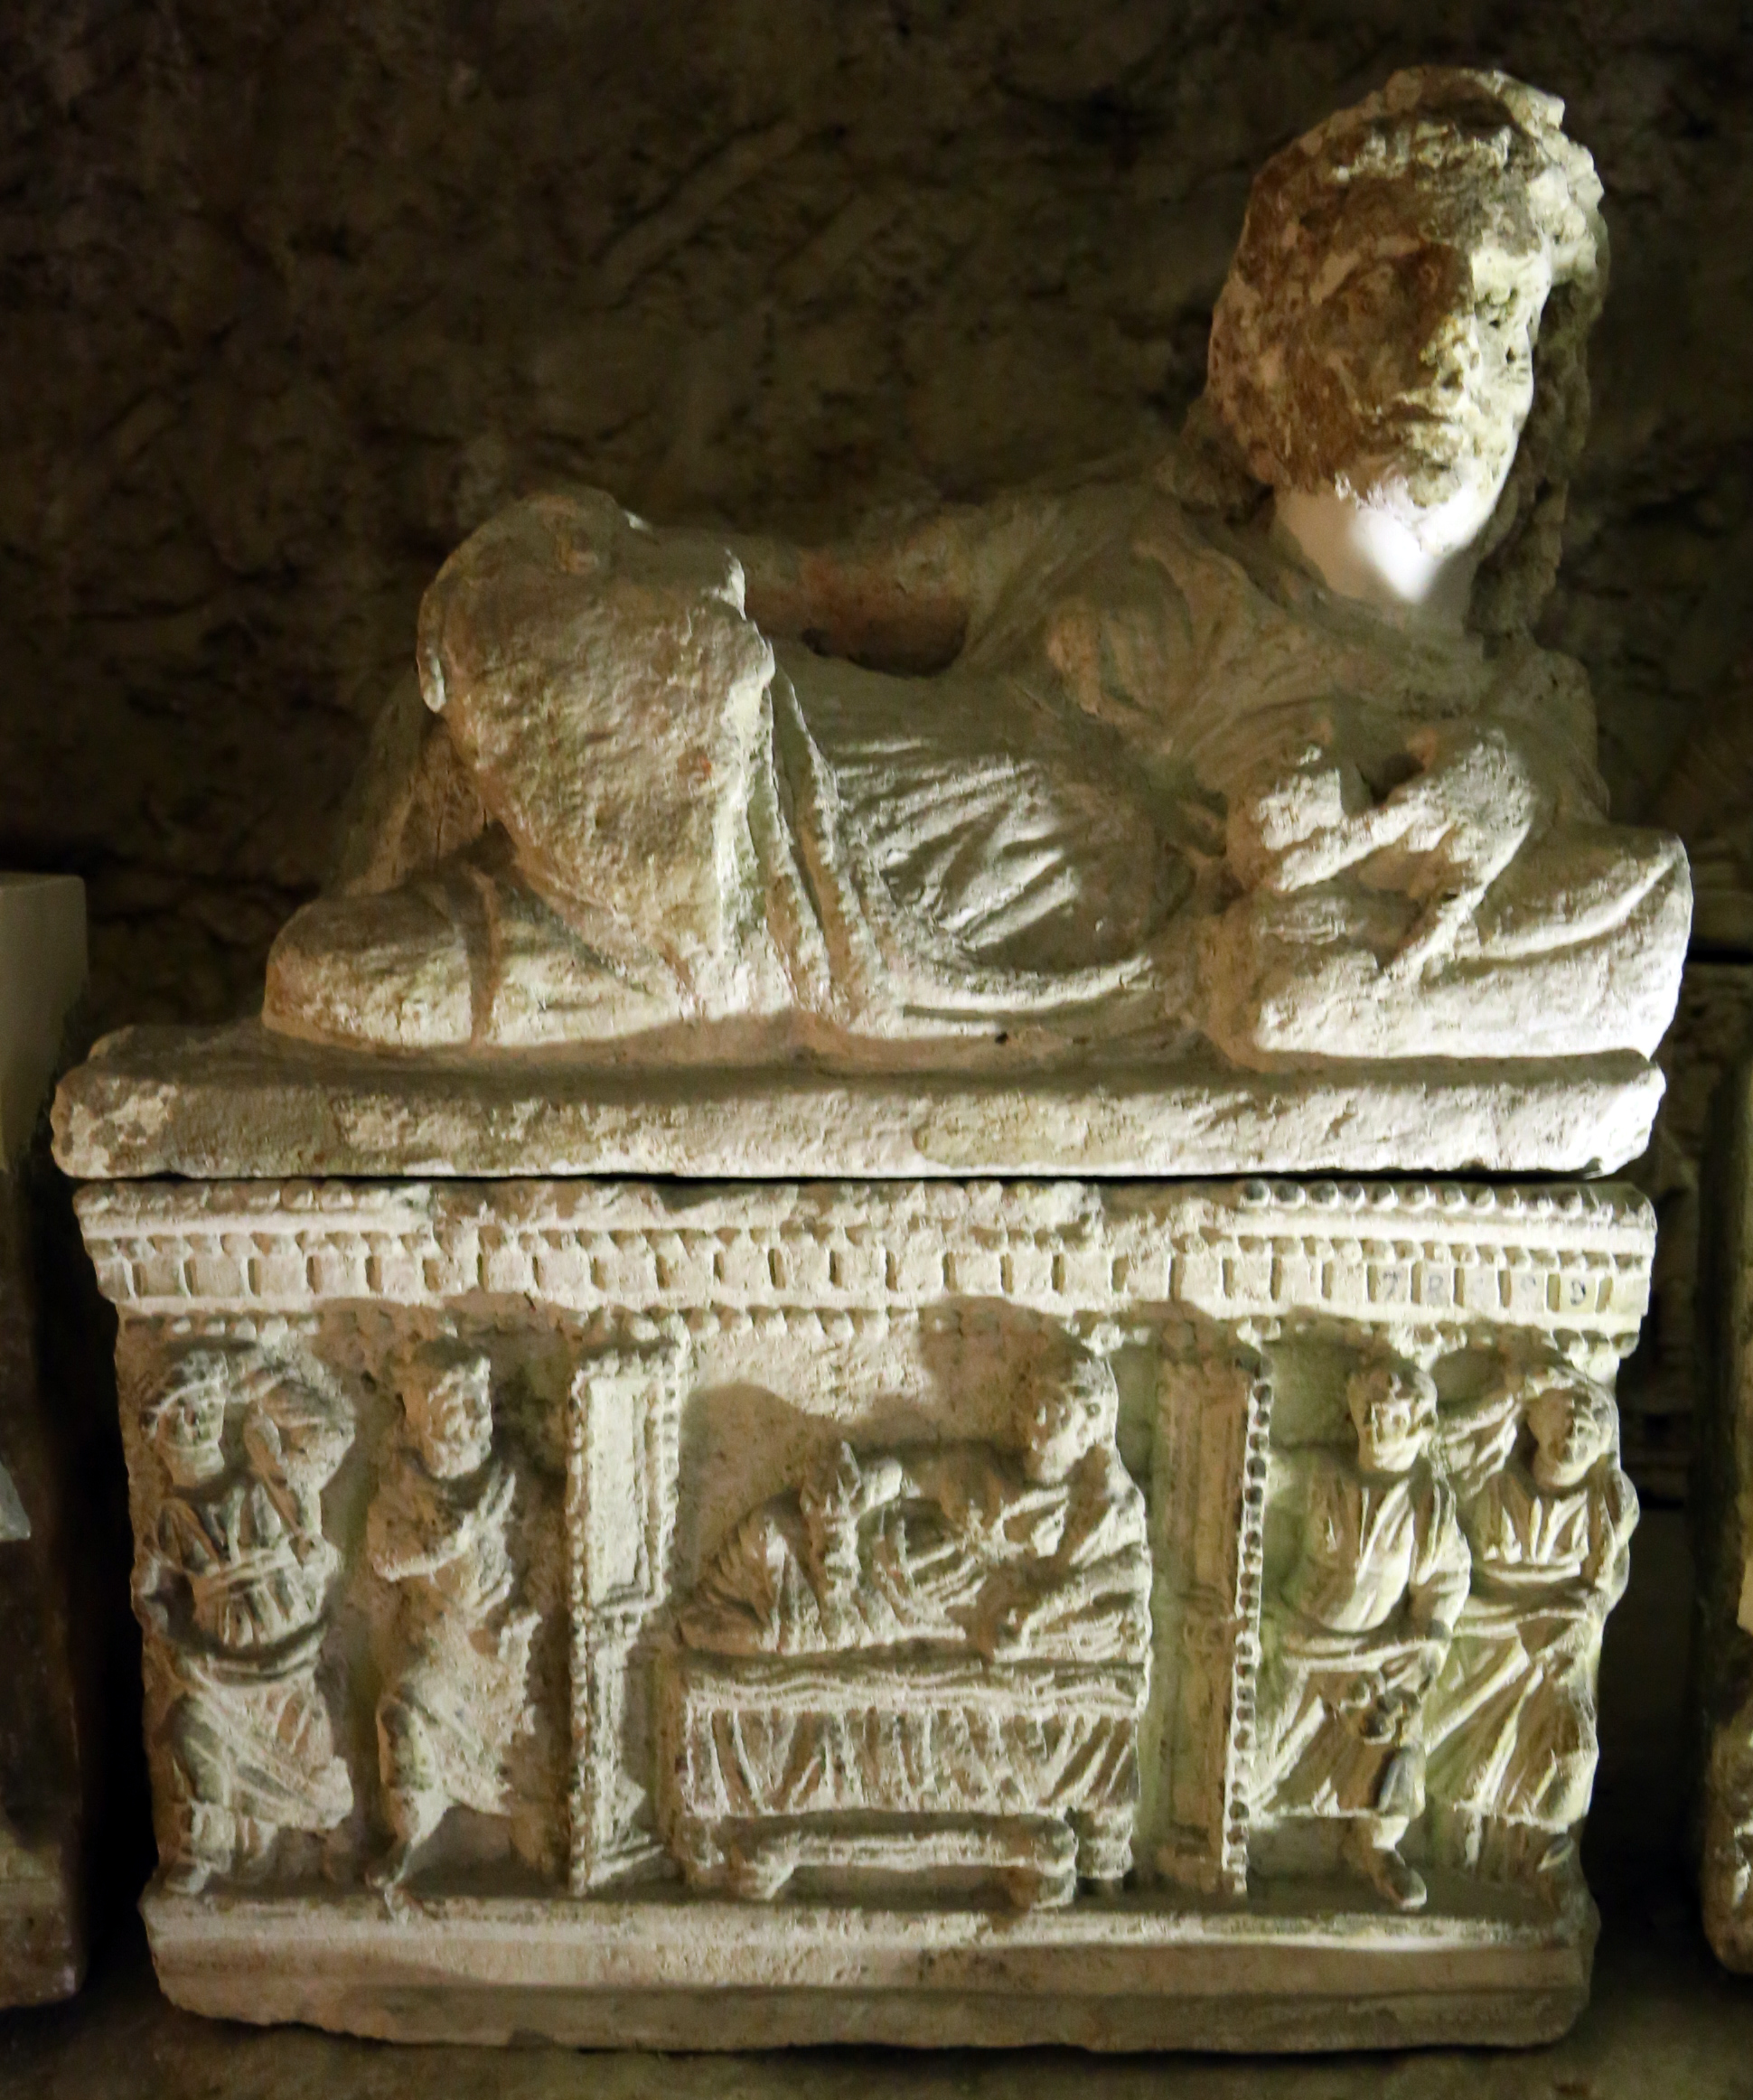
{"x": 712, "y": 1612}
{"x": 891, "y": 1336}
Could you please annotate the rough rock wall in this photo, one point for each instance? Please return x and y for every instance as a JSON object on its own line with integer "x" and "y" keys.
{"x": 297, "y": 293}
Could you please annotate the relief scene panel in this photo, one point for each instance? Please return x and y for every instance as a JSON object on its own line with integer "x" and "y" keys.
{"x": 1127, "y": 1558}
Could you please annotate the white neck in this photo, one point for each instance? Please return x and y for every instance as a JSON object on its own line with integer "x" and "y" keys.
{"x": 1365, "y": 551}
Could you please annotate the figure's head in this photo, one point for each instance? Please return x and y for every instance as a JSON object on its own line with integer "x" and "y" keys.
{"x": 186, "y": 1421}
{"x": 1404, "y": 319}
{"x": 1570, "y": 1419}
{"x": 1394, "y": 1407}
{"x": 447, "y": 1398}
{"x": 1076, "y": 1409}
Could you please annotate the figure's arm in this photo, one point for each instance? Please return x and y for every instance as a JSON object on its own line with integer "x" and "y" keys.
{"x": 1442, "y": 1570}
{"x": 1476, "y": 1438}
{"x": 898, "y": 599}
{"x": 1101, "y": 1565}
{"x": 1307, "y": 822}
{"x": 394, "y": 1544}
{"x": 155, "y": 1584}
{"x": 1108, "y": 1519}
{"x": 1612, "y": 1518}
{"x": 900, "y": 595}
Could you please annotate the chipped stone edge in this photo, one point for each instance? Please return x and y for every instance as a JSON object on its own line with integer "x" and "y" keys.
{"x": 214, "y": 1104}
{"x": 603, "y": 1973}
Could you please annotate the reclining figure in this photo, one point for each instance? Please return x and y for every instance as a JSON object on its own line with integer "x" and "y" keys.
{"x": 1250, "y": 743}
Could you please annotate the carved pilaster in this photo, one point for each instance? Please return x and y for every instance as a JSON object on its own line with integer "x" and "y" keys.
{"x": 620, "y": 1517}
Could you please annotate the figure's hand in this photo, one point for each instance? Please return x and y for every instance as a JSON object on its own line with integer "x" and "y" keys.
{"x": 831, "y": 1500}
{"x": 1432, "y": 1654}
{"x": 1005, "y": 1632}
{"x": 1005, "y": 1620}
{"x": 1302, "y": 825}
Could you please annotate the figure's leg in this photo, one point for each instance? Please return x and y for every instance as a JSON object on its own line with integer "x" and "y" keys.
{"x": 1105, "y": 1846}
{"x": 1438, "y": 932}
{"x": 413, "y": 1818}
{"x": 1372, "y": 1846}
{"x": 202, "y": 1843}
{"x": 255, "y": 1843}
{"x": 605, "y": 688}
{"x": 202, "y": 1835}
{"x": 1373, "y": 1834}
{"x": 414, "y": 1803}
{"x": 604, "y": 700}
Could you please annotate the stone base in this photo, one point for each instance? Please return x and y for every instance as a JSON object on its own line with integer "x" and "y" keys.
{"x": 41, "y": 1928}
{"x": 684, "y": 1974}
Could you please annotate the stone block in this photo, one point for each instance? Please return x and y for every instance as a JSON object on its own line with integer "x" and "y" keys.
{"x": 773, "y": 1655}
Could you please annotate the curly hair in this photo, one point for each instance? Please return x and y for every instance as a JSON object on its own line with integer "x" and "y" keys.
{"x": 1410, "y": 274}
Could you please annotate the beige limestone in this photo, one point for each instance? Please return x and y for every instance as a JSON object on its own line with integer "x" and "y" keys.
{"x": 809, "y": 266}
{"x": 215, "y": 1103}
{"x": 918, "y": 1609}
{"x": 983, "y": 1611}
{"x": 1134, "y": 763}
{"x": 1662, "y": 2015}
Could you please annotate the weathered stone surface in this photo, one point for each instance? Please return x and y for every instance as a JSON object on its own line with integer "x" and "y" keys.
{"x": 1096, "y": 1605}
{"x": 283, "y": 347}
{"x": 1481, "y": 237}
{"x": 682, "y": 1607}
{"x": 1662, "y": 2015}
{"x": 1271, "y": 765}
{"x": 215, "y": 1103}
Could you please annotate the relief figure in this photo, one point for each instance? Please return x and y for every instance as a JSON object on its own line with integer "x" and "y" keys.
{"x": 1511, "y": 1720}
{"x": 1355, "y": 1637}
{"x": 1254, "y": 741}
{"x": 455, "y": 1694}
{"x": 233, "y": 1584}
{"x": 918, "y": 1638}
{"x": 1729, "y": 1822}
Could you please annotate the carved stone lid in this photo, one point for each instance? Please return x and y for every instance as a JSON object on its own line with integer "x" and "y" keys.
{"x": 241, "y": 1102}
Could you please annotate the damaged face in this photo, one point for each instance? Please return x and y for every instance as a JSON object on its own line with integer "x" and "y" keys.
{"x": 1376, "y": 335}
{"x": 1072, "y": 1419}
{"x": 1570, "y": 1431}
{"x": 188, "y": 1424}
{"x": 450, "y": 1412}
{"x": 1393, "y": 1410}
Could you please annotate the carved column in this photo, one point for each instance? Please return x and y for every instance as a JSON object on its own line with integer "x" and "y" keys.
{"x": 619, "y": 1518}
